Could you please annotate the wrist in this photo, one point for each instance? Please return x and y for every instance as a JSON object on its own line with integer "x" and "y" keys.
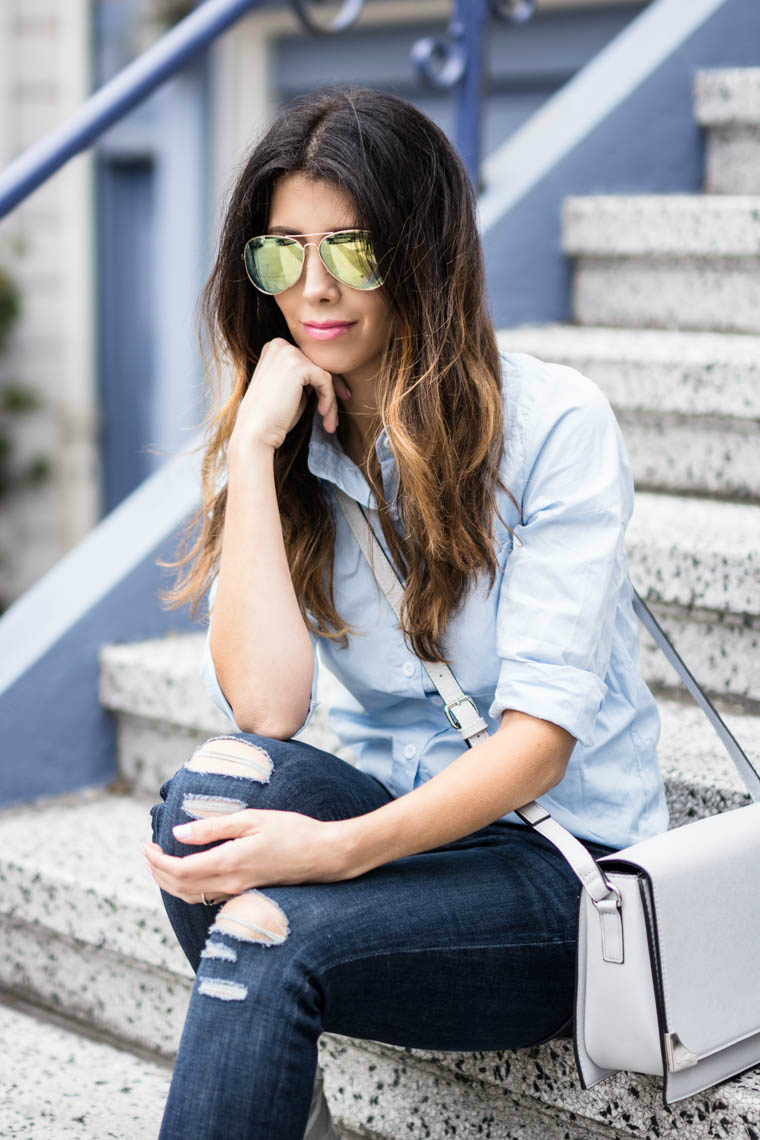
{"x": 342, "y": 853}
{"x": 247, "y": 449}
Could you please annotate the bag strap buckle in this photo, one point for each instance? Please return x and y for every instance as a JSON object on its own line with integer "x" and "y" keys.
{"x": 457, "y": 724}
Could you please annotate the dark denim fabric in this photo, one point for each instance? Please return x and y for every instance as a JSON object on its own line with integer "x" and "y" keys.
{"x": 469, "y": 946}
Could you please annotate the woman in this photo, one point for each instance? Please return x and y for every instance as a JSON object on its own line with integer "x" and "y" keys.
{"x": 400, "y": 899}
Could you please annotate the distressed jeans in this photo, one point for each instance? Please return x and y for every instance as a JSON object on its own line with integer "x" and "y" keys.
{"x": 467, "y": 946}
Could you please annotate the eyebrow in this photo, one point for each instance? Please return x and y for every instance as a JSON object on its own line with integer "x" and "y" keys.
{"x": 295, "y": 233}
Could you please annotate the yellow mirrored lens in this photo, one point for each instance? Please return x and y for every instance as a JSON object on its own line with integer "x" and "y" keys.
{"x": 351, "y": 258}
{"x": 273, "y": 263}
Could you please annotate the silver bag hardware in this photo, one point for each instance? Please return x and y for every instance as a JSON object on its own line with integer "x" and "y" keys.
{"x": 667, "y": 966}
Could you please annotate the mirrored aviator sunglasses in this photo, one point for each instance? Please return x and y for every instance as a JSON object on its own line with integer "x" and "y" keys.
{"x": 274, "y": 262}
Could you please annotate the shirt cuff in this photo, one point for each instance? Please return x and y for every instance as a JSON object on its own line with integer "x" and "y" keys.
{"x": 561, "y": 694}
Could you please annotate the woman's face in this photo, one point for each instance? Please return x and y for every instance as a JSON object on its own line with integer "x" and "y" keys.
{"x": 301, "y": 206}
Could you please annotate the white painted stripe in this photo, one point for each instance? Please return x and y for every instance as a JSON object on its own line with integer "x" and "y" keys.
{"x": 78, "y": 581}
{"x": 595, "y": 91}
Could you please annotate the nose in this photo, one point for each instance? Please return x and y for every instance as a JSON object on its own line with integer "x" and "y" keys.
{"x": 315, "y": 277}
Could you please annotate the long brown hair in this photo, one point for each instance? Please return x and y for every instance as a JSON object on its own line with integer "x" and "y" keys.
{"x": 438, "y": 389}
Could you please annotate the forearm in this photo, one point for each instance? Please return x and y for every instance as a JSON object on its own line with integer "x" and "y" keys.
{"x": 524, "y": 759}
{"x": 261, "y": 648}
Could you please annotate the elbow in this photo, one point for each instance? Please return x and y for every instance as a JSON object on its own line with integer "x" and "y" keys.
{"x": 277, "y": 723}
{"x": 558, "y": 764}
{"x": 555, "y": 777}
{"x": 275, "y": 729}
{"x": 278, "y": 715}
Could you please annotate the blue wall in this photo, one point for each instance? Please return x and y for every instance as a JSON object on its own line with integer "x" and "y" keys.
{"x": 650, "y": 144}
{"x": 55, "y": 735}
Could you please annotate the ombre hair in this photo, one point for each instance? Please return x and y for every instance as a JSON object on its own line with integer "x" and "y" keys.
{"x": 438, "y": 388}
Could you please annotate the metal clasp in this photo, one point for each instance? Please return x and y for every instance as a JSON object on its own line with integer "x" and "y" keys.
{"x": 618, "y": 897}
{"x": 459, "y": 701}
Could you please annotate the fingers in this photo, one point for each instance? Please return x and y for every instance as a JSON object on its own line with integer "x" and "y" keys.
{"x": 215, "y": 827}
{"x": 212, "y": 872}
{"x": 329, "y": 387}
{"x": 342, "y": 388}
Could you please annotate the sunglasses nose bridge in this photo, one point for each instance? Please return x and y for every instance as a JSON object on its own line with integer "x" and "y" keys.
{"x": 320, "y": 259}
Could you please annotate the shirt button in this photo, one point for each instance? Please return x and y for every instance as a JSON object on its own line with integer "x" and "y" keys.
{"x": 409, "y": 751}
{"x": 408, "y": 668}
{"x": 437, "y": 700}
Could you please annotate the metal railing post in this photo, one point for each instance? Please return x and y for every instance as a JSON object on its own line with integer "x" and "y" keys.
{"x": 459, "y": 62}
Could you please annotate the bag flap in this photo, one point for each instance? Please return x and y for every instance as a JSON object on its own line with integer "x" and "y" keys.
{"x": 704, "y": 879}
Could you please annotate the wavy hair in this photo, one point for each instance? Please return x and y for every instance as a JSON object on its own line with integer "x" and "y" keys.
{"x": 438, "y": 388}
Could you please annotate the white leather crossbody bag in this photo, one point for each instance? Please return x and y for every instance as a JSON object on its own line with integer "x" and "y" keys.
{"x": 668, "y": 959}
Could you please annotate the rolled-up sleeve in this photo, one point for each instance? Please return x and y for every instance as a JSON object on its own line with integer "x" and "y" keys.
{"x": 561, "y": 584}
{"x": 211, "y": 680}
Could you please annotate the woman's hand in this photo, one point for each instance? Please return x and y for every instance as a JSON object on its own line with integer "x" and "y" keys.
{"x": 264, "y": 848}
{"x": 276, "y": 395}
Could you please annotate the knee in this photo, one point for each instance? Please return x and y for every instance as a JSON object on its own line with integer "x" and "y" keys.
{"x": 238, "y": 755}
{"x": 252, "y": 918}
{"x": 216, "y": 779}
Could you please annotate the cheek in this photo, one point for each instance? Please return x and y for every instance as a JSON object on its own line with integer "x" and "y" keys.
{"x": 379, "y": 320}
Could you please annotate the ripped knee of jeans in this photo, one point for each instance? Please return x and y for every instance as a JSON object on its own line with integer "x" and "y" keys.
{"x": 231, "y": 756}
{"x": 252, "y": 917}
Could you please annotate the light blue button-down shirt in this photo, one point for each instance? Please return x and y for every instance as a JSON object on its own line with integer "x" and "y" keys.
{"x": 556, "y": 636}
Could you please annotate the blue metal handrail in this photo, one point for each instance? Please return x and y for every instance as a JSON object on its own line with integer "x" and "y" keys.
{"x": 118, "y": 96}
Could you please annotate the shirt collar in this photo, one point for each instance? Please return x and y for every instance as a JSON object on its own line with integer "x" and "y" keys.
{"x": 328, "y": 460}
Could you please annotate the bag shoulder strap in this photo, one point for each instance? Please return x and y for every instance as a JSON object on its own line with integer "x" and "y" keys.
{"x": 742, "y": 762}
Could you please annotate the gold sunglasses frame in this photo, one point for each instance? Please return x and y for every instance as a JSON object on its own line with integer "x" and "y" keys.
{"x": 323, "y": 234}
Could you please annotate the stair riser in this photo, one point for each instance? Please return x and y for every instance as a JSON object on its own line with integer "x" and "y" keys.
{"x": 91, "y": 917}
{"x": 724, "y": 388}
{"x": 397, "y": 1094}
{"x": 690, "y": 426}
{"x": 130, "y": 1000}
{"x": 732, "y": 160}
{"x": 726, "y": 582}
{"x": 151, "y": 750}
{"x": 680, "y": 454}
{"x": 722, "y": 652}
{"x": 716, "y": 294}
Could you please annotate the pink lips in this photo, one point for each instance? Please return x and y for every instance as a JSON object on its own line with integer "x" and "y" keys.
{"x": 329, "y": 330}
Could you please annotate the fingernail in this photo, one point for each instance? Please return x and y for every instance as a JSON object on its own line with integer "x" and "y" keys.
{"x": 183, "y": 829}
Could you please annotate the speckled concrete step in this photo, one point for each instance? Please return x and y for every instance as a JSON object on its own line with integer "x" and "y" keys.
{"x": 61, "y": 1081}
{"x": 530, "y": 1094}
{"x": 84, "y": 932}
{"x": 688, "y": 403}
{"x": 727, "y": 104}
{"x": 697, "y": 562}
{"x": 665, "y": 260}
{"x": 60, "y": 1085}
{"x": 86, "y": 936}
{"x": 83, "y": 927}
